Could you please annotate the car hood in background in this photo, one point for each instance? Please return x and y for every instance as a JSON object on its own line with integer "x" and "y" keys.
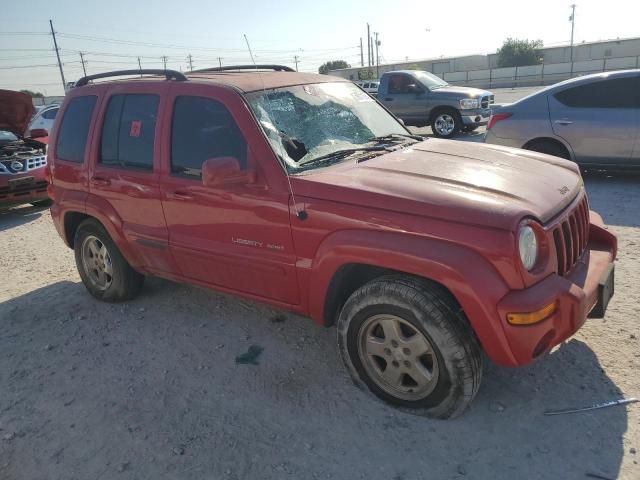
{"x": 16, "y": 109}
{"x": 469, "y": 92}
{"x": 457, "y": 181}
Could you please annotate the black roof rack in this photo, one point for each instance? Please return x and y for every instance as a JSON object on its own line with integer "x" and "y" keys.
{"x": 169, "y": 74}
{"x": 277, "y": 68}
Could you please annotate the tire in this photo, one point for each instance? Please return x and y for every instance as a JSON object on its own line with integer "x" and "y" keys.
{"x": 424, "y": 311}
{"x": 42, "y": 203}
{"x": 102, "y": 268}
{"x": 549, "y": 148}
{"x": 446, "y": 123}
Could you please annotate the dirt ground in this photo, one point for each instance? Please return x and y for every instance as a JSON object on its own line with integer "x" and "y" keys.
{"x": 151, "y": 389}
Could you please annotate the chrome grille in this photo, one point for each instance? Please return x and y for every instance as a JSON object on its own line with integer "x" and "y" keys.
{"x": 30, "y": 163}
{"x": 571, "y": 237}
{"x": 487, "y": 101}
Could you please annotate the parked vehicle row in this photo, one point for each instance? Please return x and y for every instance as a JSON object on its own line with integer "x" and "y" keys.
{"x": 302, "y": 191}
{"x": 593, "y": 120}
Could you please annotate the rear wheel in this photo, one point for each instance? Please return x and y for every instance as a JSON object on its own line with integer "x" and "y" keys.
{"x": 548, "y": 147}
{"x": 446, "y": 123}
{"x": 407, "y": 341}
{"x": 103, "y": 269}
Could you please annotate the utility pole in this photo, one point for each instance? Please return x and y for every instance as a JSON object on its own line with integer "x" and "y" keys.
{"x": 373, "y": 58}
{"x": 55, "y": 44}
{"x": 368, "y": 45}
{"x": 361, "y": 54}
{"x": 82, "y": 60}
{"x": 377, "y": 56}
{"x": 295, "y": 59}
{"x": 572, "y": 19}
{"x": 164, "y": 61}
{"x": 220, "y": 61}
{"x": 140, "y": 66}
{"x": 190, "y": 63}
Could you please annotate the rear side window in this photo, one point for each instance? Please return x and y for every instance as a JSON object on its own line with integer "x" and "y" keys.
{"x": 128, "y": 131}
{"x": 613, "y": 93}
{"x": 202, "y": 129}
{"x": 74, "y": 129}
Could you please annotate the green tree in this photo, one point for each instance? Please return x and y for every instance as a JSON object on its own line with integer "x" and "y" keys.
{"x": 332, "y": 65}
{"x": 33, "y": 94}
{"x": 517, "y": 53}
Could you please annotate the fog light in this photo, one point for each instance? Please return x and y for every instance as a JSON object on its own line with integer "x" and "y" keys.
{"x": 530, "y": 318}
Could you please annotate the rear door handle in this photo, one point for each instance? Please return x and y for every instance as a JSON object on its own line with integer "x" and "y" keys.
{"x": 100, "y": 181}
{"x": 563, "y": 122}
{"x": 181, "y": 195}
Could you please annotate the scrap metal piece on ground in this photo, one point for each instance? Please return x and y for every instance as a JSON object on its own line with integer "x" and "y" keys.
{"x": 612, "y": 403}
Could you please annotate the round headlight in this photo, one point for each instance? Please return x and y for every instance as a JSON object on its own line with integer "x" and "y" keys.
{"x": 528, "y": 247}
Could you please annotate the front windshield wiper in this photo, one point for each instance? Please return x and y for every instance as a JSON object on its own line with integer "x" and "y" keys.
{"x": 343, "y": 153}
{"x": 396, "y": 136}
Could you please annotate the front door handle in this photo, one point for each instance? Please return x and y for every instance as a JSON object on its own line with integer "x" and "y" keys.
{"x": 564, "y": 121}
{"x": 100, "y": 181}
{"x": 181, "y": 195}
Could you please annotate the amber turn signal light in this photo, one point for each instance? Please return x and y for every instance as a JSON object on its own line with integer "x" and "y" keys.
{"x": 530, "y": 318}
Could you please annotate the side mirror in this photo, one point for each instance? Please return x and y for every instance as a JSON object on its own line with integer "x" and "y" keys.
{"x": 413, "y": 88}
{"x": 225, "y": 171}
{"x": 38, "y": 133}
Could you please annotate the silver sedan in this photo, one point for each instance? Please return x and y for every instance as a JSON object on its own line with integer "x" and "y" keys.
{"x": 593, "y": 120}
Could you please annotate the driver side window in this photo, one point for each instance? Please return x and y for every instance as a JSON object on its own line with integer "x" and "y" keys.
{"x": 201, "y": 129}
{"x": 399, "y": 84}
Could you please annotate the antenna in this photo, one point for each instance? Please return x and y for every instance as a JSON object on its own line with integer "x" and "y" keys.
{"x": 301, "y": 214}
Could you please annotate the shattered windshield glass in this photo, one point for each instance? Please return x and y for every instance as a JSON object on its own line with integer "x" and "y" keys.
{"x": 306, "y": 122}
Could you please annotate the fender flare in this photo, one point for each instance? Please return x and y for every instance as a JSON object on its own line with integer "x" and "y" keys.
{"x": 470, "y": 278}
{"x": 103, "y": 211}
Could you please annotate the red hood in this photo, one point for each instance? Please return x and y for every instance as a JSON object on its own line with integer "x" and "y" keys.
{"x": 458, "y": 181}
{"x": 16, "y": 109}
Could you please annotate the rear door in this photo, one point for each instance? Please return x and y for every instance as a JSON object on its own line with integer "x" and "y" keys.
{"x": 599, "y": 119}
{"x": 238, "y": 236}
{"x": 125, "y": 170}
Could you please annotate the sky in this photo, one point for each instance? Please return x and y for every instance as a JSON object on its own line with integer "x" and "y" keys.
{"x": 114, "y": 33}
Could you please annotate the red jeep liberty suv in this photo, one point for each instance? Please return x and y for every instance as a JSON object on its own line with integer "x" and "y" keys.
{"x": 302, "y": 191}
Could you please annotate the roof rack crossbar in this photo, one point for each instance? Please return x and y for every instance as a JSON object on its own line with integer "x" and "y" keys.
{"x": 169, "y": 74}
{"x": 277, "y": 68}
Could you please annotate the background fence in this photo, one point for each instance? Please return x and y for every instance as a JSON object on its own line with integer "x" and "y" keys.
{"x": 534, "y": 75}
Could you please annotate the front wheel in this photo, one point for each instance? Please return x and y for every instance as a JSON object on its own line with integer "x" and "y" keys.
{"x": 103, "y": 270}
{"x": 407, "y": 342}
{"x": 446, "y": 123}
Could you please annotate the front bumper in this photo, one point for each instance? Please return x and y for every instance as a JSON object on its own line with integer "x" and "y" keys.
{"x": 25, "y": 188}
{"x": 475, "y": 117}
{"x": 577, "y": 295}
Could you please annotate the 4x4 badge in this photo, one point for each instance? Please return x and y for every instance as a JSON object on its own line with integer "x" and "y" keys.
{"x": 564, "y": 190}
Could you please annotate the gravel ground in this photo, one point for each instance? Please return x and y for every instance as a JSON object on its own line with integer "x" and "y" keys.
{"x": 151, "y": 389}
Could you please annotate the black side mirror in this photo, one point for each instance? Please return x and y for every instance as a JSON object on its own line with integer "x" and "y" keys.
{"x": 413, "y": 88}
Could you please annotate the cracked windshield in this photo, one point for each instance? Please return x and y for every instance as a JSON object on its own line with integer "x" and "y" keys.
{"x": 309, "y": 123}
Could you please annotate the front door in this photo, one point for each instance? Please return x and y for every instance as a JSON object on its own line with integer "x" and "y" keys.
{"x": 236, "y": 237}
{"x": 406, "y": 104}
{"x": 125, "y": 173}
{"x": 598, "y": 119}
